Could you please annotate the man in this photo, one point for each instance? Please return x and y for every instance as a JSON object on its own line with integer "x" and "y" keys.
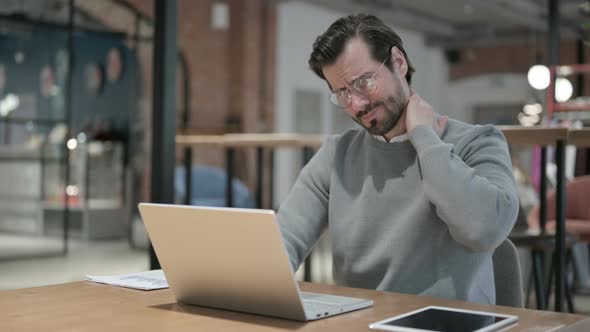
{"x": 415, "y": 202}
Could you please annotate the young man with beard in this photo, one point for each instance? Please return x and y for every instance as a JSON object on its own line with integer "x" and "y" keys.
{"x": 415, "y": 202}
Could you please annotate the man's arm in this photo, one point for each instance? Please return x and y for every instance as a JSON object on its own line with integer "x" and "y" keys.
{"x": 471, "y": 184}
{"x": 304, "y": 213}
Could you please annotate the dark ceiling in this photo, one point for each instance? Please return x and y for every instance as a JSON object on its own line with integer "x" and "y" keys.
{"x": 459, "y": 23}
{"x": 445, "y": 23}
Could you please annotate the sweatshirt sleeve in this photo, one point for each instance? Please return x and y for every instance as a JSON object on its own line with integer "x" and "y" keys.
{"x": 471, "y": 184}
{"x": 303, "y": 215}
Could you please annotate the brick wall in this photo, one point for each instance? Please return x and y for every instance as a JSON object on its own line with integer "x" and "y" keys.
{"x": 511, "y": 58}
{"x": 231, "y": 74}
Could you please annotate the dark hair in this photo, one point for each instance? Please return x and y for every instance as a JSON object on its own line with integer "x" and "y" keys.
{"x": 378, "y": 36}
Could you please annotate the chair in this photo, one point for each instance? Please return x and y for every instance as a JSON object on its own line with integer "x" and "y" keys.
{"x": 208, "y": 188}
{"x": 577, "y": 223}
{"x": 507, "y": 275}
{"x": 577, "y": 210}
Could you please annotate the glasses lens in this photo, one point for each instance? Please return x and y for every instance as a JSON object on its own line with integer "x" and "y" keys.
{"x": 371, "y": 85}
{"x": 365, "y": 85}
{"x": 340, "y": 99}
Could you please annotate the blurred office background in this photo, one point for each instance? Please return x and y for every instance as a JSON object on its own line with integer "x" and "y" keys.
{"x": 77, "y": 95}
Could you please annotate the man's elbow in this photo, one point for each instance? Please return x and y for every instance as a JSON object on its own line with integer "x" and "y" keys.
{"x": 495, "y": 228}
{"x": 483, "y": 241}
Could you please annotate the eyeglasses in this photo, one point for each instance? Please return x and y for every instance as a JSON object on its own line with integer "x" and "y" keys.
{"x": 363, "y": 85}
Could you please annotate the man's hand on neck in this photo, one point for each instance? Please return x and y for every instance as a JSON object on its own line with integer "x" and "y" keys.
{"x": 420, "y": 112}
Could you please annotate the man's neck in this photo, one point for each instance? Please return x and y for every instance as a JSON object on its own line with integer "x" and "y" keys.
{"x": 399, "y": 129}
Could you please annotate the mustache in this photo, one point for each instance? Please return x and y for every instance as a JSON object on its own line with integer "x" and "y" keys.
{"x": 368, "y": 109}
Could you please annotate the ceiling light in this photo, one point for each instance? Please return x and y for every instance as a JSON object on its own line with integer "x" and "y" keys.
{"x": 72, "y": 190}
{"x": 532, "y": 109}
{"x": 9, "y": 104}
{"x": 563, "y": 89}
{"x": 19, "y": 57}
{"x": 72, "y": 144}
{"x": 527, "y": 120}
{"x": 539, "y": 77}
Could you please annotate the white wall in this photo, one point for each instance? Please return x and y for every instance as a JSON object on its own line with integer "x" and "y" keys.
{"x": 493, "y": 89}
{"x": 298, "y": 24}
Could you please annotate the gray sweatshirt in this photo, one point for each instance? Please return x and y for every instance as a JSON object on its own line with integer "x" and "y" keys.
{"x": 421, "y": 216}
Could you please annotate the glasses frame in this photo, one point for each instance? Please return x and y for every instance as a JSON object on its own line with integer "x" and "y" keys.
{"x": 345, "y": 92}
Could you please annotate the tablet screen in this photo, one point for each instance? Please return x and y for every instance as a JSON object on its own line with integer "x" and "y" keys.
{"x": 442, "y": 319}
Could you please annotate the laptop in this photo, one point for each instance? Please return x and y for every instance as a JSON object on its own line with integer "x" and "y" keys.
{"x": 233, "y": 259}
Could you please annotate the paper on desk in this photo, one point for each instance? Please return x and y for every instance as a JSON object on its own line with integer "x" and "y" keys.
{"x": 147, "y": 280}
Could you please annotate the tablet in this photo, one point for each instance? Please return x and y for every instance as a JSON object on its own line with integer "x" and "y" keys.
{"x": 445, "y": 319}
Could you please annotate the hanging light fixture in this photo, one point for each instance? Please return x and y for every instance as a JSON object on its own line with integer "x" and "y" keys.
{"x": 563, "y": 89}
{"x": 539, "y": 77}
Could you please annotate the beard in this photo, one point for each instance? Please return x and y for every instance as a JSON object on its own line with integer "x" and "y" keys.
{"x": 393, "y": 109}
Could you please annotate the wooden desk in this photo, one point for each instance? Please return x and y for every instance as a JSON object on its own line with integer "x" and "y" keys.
{"x": 533, "y": 135}
{"x": 579, "y": 137}
{"x": 270, "y": 140}
{"x": 85, "y": 306}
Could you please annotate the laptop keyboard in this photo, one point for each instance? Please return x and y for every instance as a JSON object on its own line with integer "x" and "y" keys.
{"x": 319, "y": 307}
{"x": 322, "y": 305}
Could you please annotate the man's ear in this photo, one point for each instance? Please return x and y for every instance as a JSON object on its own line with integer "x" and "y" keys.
{"x": 398, "y": 60}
